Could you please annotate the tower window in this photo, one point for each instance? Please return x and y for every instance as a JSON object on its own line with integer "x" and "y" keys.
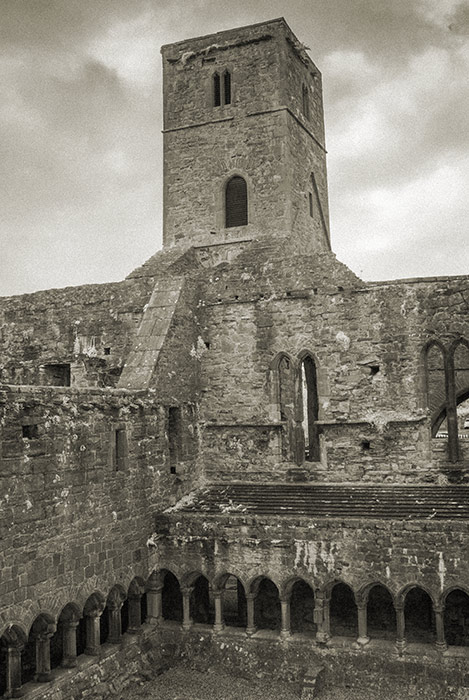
{"x": 227, "y": 87}
{"x": 216, "y": 90}
{"x": 236, "y": 202}
{"x": 174, "y": 437}
{"x": 305, "y": 98}
{"x": 120, "y": 449}
{"x": 311, "y": 208}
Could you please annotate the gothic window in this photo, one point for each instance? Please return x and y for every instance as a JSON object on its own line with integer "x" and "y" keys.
{"x": 120, "y": 449}
{"x": 311, "y": 208}
{"x": 227, "y": 87}
{"x": 236, "y": 202}
{"x": 310, "y": 409}
{"x": 174, "y": 437}
{"x": 216, "y": 90}
{"x": 305, "y": 100}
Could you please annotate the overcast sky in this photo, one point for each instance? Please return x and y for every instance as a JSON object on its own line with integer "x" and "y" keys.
{"x": 81, "y": 145}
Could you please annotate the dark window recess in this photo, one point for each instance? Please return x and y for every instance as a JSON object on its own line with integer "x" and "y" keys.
{"x": 227, "y": 87}
{"x": 305, "y": 96}
{"x": 236, "y": 202}
{"x": 120, "y": 449}
{"x": 57, "y": 374}
{"x": 374, "y": 369}
{"x": 107, "y": 351}
{"x": 366, "y": 445}
{"x": 311, "y": 208}
{"x": 174, "y": 437}
{"x": 30, "y": 432}
{"x": 310, "y": 410}
{"x": 216, "y": 90}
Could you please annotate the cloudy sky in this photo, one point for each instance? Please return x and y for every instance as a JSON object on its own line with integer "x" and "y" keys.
{"x": 81, "y": 145}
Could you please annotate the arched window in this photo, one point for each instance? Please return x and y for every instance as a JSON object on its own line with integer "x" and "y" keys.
{"x": 305, "y": 100}
{"x": 236, "y": 202}
{"x": 310, "y": 409}
{"x": 216, "y": 90}
{"x": 227, "y": 87}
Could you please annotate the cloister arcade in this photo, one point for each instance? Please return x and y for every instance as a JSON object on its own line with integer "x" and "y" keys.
{"x": 293, "y": 609}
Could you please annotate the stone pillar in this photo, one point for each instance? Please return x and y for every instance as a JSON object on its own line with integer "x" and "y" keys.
{"x": 43, "y": 674}
{"x": 362, "y": 623}
{"x": 187, "y": 621}
{"x": 154, "y": 605}
{"x": 219, "y": 625}
{"x": 400, "y": 624}
{"x": 285, "y": 631}
{"x": 321, "y": 618}
{"x": 13, "y": 671}
{"x": 439, "y": 611}
{"x": 115, "y": 623}
{"x": 135, "y": 613}
{"x": 69, "y": 643}
{"x": 93, "y": 640}
{"x": 251, "y": 627}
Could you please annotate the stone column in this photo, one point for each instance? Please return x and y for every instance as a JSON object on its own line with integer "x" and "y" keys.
{"x": 285, "y": 631}
{"x": 439, "y": 611}
{"x": 251, "y": 627}
{"x": 362, "y": 623}
{"x": 13, "y": 671}
{"x": 115, "y": 623}
{"x": 321, "y": 617}
{"x": 187, "y": 621}
{"x": 69, "y": 643}
{"x": 400, "y": 624}
{"x": 93, "y": 640}
{"x": 219, "y": 625}
{"x": 43, "y": 674}
{"x": 154, "y": 605}
{"x": 135, "y": 613}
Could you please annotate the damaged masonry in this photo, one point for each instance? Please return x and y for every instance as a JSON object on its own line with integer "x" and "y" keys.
{"x": 242, "y": 454}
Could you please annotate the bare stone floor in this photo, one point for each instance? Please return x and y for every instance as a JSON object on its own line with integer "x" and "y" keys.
{"x": 183, "y": 683}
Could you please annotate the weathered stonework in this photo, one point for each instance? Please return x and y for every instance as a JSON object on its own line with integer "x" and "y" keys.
{"x": 236, "y": 355}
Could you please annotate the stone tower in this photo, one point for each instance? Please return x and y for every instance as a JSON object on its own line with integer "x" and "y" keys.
{"x": 244, "y": 153}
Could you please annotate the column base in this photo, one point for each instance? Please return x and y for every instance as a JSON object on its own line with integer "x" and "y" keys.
{"x": 153, "y": 621}
{"x": 218, "y": 627}
{"x": 322, "y": 638}
{"x": 401, "y": 645}
{"x": 441, "y": 647}
{"x": 17, "y": 693}
{"x": 114, "y": 640}
{"x": 285, "y": 635}
{"x": 250, "y": 631}
{"x": 363, "y": 641}
{"x": 44, "y": 677}
{"x": 187, "y": 626}
{"x": 91, "y": 651}
{"x": 69, "y": 661}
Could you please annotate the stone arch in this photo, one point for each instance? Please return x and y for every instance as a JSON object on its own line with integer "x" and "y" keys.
{"x": 111, "y": 617}
{"x": 435, "y": 381}
{"x": 233, "y": 595}
{"x": 171, "y": 595}
{"x": 201, "y": 600}
{"x": 68, "y": 618}
{"x": 12, "y": 640}
{"x": 136, "y": 604}
{"x": 381, "y": 612}
{"x": 419, "y": 616}
{"x": 35, "y": 659}
{"x": 342, "y": 609}
{"x": 456, "y": 616}
{"x": 267, "y": 609}
{"x": 302, "y": 603}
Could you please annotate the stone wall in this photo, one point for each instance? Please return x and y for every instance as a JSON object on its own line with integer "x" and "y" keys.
{"x": 90, "y": 327}
{"x": 75, "y": 517}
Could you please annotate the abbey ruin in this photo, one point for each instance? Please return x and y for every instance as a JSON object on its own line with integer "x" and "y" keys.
{"x": 242, "y": 453}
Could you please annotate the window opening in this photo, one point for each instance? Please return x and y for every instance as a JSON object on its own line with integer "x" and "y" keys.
{"x": 310, "y": 409}
{"x": 311, "y": 208}
{"x": 267, "y": 611}
{"x": 236, "y": 202}
{"x": 30, "y": 432}
{"x": 57, "y": 374}
{"x": 305, "y": 99}
{"x": 227, "y": 87}
{"x": 120, "y": 449}
{"x": 107, "y": 351}
{"x": 174, "y": 437}
{"x": 216, "y": 90}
